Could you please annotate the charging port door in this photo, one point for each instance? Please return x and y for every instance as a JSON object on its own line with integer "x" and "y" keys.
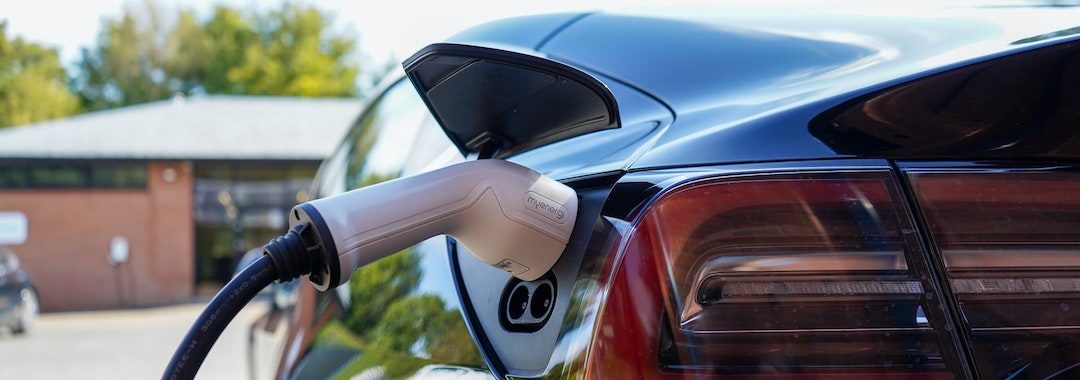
{"x": 495, "y": 103}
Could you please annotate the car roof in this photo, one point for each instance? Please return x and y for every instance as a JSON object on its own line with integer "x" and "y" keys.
{"x": 697, "y": 58}
{"x": 719, "y": 69}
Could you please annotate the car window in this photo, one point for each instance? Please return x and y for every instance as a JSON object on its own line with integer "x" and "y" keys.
{"x": 400, "y": 316}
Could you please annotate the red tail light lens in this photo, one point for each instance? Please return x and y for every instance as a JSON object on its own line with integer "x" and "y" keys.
{"x": 813, "y": 274}
{"x": 1011, "y": 244}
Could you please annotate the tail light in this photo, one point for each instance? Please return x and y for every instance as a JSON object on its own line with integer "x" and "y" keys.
{"x": 799, "y": 274}
{"x": 1011, "y": 244}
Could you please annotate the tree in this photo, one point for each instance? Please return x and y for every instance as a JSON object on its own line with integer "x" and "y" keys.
{"x": 148, "y": 55}
{"x": 423, "y": 322}
{"x": 378, "y": 285}
{"x": 128, "y": 64}
{"x": 33, "y": 85}
{"x": 287, "y": 51}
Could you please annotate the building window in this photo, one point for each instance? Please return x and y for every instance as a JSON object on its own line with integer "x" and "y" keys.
{"x": 238, "y": 208}
{"x": 57, "y": 176}
{"x": 13, "y": 177}
{"x": 127, "y": 176}
{"x": 73, "y": 176}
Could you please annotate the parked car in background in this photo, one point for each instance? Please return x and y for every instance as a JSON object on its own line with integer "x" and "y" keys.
{"x": 809, "y": 194}
{"x": 18, "y": 298}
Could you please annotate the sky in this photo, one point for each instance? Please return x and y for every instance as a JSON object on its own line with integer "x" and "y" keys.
{"x": 391, "y": 30}
{"x": 388, "y": 29}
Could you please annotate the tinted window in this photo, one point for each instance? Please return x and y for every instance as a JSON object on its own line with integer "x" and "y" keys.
{"x": 73, "y": 175}
{"x": 398, "y": 317}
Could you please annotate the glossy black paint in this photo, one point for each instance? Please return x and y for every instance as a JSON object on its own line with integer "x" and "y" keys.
{"x": 744, "y": 86}
{"x": 528, "y": 32}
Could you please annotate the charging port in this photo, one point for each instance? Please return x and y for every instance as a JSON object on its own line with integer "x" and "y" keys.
{"x": 525, "y": 306}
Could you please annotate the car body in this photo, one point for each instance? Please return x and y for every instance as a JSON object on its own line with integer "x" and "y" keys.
{"x": 19, "y": 304}
{"x": 780, "y": 194}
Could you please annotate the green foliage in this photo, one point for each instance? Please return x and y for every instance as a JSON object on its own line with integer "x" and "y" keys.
{"x": 148, "y": 55}
{"x": 32, "y": 83}
{"x": 335, "y": 333}
{"x": 128, "y": 64}
{"x": 375, "y": 287}
{"x": 393, "y": 327}
{"x": 423, "y": 322}
{"x": 292, "y": 55}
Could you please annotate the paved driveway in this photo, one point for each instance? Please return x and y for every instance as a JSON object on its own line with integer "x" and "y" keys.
{"x": 128, "y": 344}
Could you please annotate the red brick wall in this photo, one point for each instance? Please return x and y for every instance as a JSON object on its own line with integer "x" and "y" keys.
{"x": 70, "y": 232}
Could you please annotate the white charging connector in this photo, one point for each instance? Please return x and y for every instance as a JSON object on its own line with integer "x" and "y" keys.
{"x": 507, "y": 215}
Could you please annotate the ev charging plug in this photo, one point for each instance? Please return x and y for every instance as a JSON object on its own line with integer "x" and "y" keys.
{"x": 507, "y": 215}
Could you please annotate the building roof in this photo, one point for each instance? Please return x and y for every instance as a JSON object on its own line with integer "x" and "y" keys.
{"x": 201, "y": 128}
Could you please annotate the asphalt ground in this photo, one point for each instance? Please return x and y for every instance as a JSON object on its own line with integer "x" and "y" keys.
{"x": 120, "y": 344}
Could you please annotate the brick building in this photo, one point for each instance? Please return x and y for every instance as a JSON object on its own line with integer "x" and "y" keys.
{"x": 188, "y": 184}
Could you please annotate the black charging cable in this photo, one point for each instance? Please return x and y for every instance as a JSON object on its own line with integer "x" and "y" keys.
{"x": 284, "y": 259}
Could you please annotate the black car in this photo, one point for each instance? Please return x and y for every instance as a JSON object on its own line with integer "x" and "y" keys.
{"x": 19, "y": 305}
{"x": 813, "y": 194}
